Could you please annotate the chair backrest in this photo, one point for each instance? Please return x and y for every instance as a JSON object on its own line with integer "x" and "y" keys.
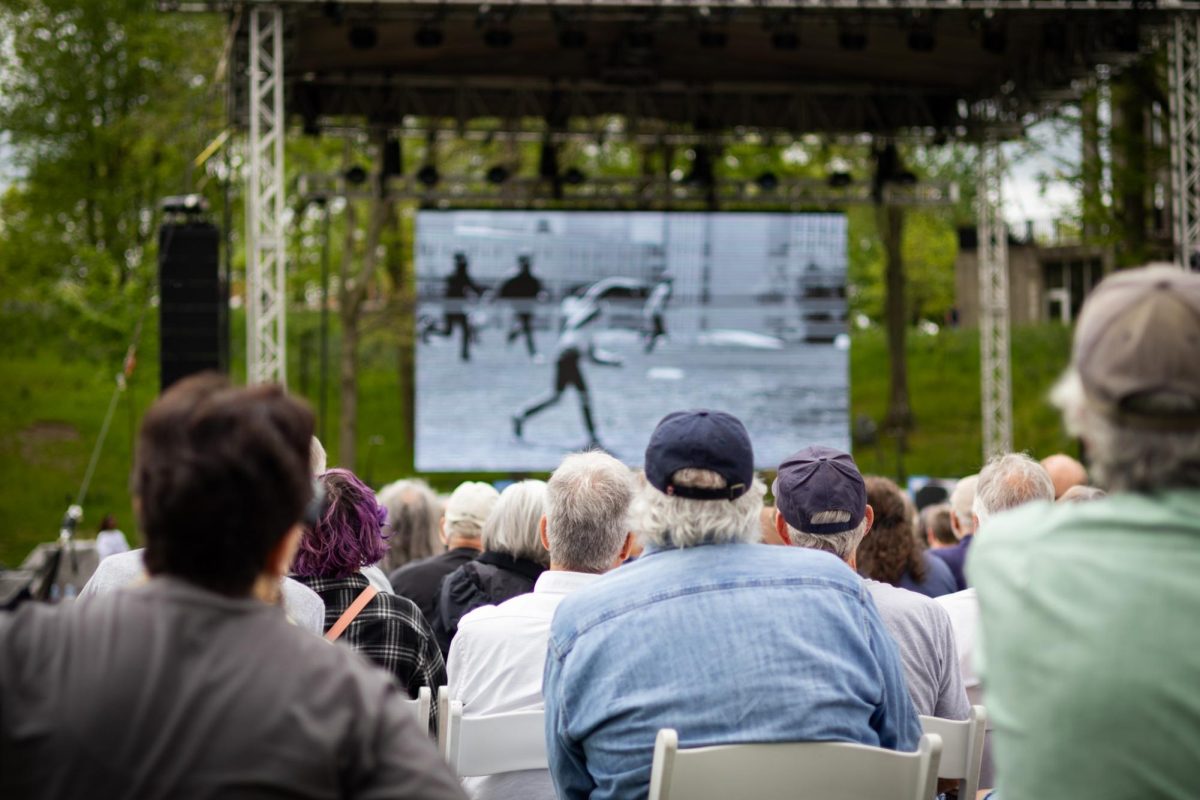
{"x": 796, "y": 770}
{"x": 420, "y": 707}
{"x": 443, "y": 715}
{"x": 495, "y": 743}
{"x": 962, "y": 747}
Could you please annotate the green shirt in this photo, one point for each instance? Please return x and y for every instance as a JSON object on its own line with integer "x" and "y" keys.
{"x": 1090, "y": 621}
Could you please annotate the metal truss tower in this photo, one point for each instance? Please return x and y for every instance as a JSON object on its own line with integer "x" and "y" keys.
{"x": 1183, "y": 59}
{"x": 266, "y": 262}
{"x": 993, "y": 303}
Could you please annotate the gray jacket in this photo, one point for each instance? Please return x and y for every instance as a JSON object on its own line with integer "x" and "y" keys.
{"x": 170, "y": 691}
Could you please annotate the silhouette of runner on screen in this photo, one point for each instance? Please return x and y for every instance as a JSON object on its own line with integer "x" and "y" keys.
{"x": 574, "y": 345}
{"x": 459, "y": 286}
{"x": 524, "y": 288}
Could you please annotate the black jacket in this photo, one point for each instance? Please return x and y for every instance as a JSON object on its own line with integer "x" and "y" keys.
{"x": 489, "y": 579}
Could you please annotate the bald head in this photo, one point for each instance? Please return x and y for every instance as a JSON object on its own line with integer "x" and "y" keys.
{"x": 1065, "y": 472}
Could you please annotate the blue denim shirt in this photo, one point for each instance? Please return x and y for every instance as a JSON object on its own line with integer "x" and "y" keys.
{"x": 725, "y": 643}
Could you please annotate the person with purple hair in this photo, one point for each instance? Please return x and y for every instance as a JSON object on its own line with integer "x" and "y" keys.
{"x": 389, "y": 630}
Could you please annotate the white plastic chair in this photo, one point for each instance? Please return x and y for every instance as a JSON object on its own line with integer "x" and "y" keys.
{"x": 420, "y": 707}
{"x": 792, "y": 770}
{"x": 962, "y": 747}
{"x": 494, "y": 743}
{"x": 443, "y": 714}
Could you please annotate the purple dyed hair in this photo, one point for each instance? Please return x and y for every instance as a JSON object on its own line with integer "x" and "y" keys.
{"x": 349, "y": 534}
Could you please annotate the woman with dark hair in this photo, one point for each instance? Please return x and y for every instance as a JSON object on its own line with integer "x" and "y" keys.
{"x": 890, "y": 553}
{"x": 387, "y": 629}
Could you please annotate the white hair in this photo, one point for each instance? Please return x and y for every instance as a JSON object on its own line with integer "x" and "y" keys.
{"x": 1008, "y": 481}
{"x": 587, "y": 508}
{"x": 662, "y": 520}
{"x": 513, "y": 527}
{"x": 1124, "y": 459}
{"x": 413, "y": 510}
{"x": 841, "y": 545}
{"x": 962, "y": 501}
{"x": 316, "y": 456}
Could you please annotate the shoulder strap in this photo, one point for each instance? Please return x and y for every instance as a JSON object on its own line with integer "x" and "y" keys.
{"x": 360, "y": 602}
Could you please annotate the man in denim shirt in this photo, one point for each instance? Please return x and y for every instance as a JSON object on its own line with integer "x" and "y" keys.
{"x": 711, "y": 633}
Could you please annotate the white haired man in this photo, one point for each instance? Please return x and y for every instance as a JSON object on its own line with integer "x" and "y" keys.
{"x": 821, "y": 504}
{"x": 1088, "y": 610}
{"x": 711, "y": 633}
{"x": 497, "y": 658}
{"x": 460, "y": 530}
{"x": 962, "y": 522}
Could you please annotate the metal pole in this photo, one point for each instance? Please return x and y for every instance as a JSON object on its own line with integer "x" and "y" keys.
{"x": 994, "y": 348}
{"x": 324, "y": 381}
{"x": 1183, "y": 71}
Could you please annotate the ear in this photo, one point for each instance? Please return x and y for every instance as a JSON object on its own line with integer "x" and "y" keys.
{"x": 869, "y": 516}
{"x": 975, "y": 521}
{"x": 626, "y": 549}
{"x": 542, "y": 533}
{"x": 781, "y": 527}
{"x": 279, "y": 559}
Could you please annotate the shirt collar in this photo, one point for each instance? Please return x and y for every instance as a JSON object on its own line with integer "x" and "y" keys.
{"x": 562, "y": 582}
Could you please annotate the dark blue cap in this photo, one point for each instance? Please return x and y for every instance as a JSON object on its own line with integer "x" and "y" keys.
{"x": 701, "y": 439}
{"x": 820, "y": 479}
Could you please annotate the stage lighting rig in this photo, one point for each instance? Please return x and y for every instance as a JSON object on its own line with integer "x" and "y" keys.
{"x": 785, "y": 40}
{"x": 852, "y": 35}
{"x": 363, "y": 37}
{"x": 572, "y": 39}
{"x": 574, "y": 176}
{"x": 429, "y": 36}
{"x": 428, "y": 176}
{"x": 993, "y": 36}
{"x": 840, "y": 179}
{"x": 920, "y": 35}
{"x": 498, "y": 37}
{"x": 356, "y": 175}
{"x": 767, "y": 181}
{"x": 498, "y": 174}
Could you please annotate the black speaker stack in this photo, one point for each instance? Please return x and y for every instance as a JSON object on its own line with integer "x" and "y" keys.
{"x": 191, "y": 311}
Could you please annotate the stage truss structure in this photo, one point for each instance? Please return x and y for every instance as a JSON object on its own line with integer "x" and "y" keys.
{"x": 524, "y": 108}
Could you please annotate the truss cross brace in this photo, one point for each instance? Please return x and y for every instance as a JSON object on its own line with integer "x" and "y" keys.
{"x": 266, "y": 262}
{"x": 993, "y": 304}
{"x": 1183, "y": 58}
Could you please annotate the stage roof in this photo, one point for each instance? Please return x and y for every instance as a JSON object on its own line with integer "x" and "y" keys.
{"x": 931, "y": 69}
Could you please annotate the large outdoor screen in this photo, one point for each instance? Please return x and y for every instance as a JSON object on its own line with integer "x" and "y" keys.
{"x": 540, "y": 333}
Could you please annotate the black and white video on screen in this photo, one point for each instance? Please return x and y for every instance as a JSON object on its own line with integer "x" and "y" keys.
{"x": 540, "y": 333}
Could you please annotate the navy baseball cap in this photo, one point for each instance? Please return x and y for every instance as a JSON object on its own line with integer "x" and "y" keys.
{"x": 700, "y": 439}
{"x": 818, "y": 479}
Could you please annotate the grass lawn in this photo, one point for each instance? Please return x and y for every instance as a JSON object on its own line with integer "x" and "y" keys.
{"x": 56, "y": 392}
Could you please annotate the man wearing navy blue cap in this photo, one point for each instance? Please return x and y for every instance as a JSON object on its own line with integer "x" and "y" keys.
{"x": 711, "y": 633}
{"x": 821, "y": 504}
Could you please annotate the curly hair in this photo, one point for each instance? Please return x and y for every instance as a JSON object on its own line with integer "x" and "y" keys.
{"x": 890, "y": 550}
{"x": 349, "y": 531}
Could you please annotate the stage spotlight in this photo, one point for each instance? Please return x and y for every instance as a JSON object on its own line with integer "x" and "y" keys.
{"x": 994, "y": 38}
{"x": 428, "y": 36}
{"x": 840, "y": 180}
{"x": 785, "y": 40}
{"x": 574, "y": 176}
{"x": 363, "y": 37}
{"x": 393, "y": 158}
{"x": 852, "y": 37}
{"x": 548, "y": 161}
{"x": 572, "y": 39}
{"x": 767, "y": 181}
{"x": 428, "y": 176}
{"x": 640, "y": 40}
{"x": 356, "y": 175}
{"x": 497, "y": 174}
{"x": 713, "y": 38}
{"x": 498, "y": 37}
{"x": 921, "y": 40}
{"x": 334, "y": 12}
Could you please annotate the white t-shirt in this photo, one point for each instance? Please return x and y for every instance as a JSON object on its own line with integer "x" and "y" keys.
{"x": 963, "y": 608}
{"x": 111, "y": 542}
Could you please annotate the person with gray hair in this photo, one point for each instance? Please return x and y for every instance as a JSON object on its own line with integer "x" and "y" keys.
{"x": 413, "y": 511}
{"x": 511, "y": 561}
{"x": 710, "y": 632}
{"x": 822, "y": 505}
{"x": 962, "y": 522}
{"x": 497, "y": 658}
{"x": 1008, "y": 481}
{"x": 1088, "y": 610}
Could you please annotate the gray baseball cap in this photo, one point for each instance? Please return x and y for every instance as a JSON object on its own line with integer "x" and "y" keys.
{"x": 1138, "y": 337}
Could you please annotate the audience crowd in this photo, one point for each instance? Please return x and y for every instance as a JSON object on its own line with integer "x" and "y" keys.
{"x": 273, "y": 634}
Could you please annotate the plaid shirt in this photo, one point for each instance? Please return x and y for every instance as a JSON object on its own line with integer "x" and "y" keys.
{"x": 390, "y": 631}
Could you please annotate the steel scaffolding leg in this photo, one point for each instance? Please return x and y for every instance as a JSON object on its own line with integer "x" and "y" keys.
{"x": 266, "y": 265}
{"x": 1183, "y": 58}
{"x": 993, "y": 304}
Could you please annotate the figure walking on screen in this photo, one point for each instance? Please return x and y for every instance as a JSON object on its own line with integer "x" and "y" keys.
{"x": 656, "y": 306}
{"x": 523, "y": 289}
{"x": 574, "y": 345}
{"x": 459, "y": 286}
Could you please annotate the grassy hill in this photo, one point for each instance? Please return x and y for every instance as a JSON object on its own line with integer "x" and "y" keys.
{"x": 57, "y": 389}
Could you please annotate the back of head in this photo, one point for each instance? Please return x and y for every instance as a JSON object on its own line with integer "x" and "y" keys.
{"x": 962, "y": 501}
{"x": 1008, "y": 481}
{"x": 1065, "y": 472}
{"x": 220, "y": 476}
{"x": 513, "y": 525}
{"x": 587, "y": 507}
{"x": 1081, "y": 494}
{"x": 700, "y": 485}
{"x": 348, "y": 534}
{"x": 468, "y": 508}
{"x": 411, "y": 528}
{"x": 1132, "y": 392}
{"x": 935, "y": 520}
{"x": 890, "y": 549}
{"x": 822, "y": 497}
